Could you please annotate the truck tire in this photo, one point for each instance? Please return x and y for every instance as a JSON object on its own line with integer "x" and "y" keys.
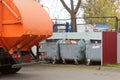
{"x": 6, "y": 62}
{"x": 9, "y": 70}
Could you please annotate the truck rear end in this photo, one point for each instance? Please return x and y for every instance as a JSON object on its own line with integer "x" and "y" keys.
{"x": 23, "y": 24}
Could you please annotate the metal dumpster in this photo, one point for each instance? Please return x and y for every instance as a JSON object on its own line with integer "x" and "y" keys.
{"x": 93, "y": 51}
{"x": 50, "y": 47}
{"x": 72, "y": 51}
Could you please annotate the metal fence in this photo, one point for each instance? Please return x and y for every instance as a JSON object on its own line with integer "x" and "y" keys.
{"x": 89, "y": 24}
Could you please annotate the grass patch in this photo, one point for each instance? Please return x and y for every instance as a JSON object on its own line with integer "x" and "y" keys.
{"x": 114, "y": 65}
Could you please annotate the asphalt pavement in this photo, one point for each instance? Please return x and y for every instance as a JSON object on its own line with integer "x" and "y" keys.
{"x": 62, "y": 72}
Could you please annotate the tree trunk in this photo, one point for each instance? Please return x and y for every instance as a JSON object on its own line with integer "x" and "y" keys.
{"x": 73, "y": 11}
{"x": 73, "y": 22}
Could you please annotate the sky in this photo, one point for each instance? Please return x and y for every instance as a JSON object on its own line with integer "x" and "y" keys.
{"x": 56, "y": 10}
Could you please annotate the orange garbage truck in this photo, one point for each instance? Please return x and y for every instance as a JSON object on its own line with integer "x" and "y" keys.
{"x": 23, "y": 24}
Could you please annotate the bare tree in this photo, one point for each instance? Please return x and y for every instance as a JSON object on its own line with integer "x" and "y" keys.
{"x": 72, "y": 11}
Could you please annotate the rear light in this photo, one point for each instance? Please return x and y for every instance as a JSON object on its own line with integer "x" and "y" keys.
{"x": 16, "y": 55}
{"x": 43, "y": 53}
{"x": 19, "y": 56}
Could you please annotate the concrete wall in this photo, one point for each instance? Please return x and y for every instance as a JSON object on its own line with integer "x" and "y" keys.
{"x": 78, "y": 35}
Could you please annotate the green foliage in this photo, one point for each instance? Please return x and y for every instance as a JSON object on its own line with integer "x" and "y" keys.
{"x": 100, "y": 8}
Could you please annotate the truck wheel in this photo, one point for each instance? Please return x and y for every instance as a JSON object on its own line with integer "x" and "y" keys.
{"x": 9, "y": 70}
{"x": 14, "y": 70}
